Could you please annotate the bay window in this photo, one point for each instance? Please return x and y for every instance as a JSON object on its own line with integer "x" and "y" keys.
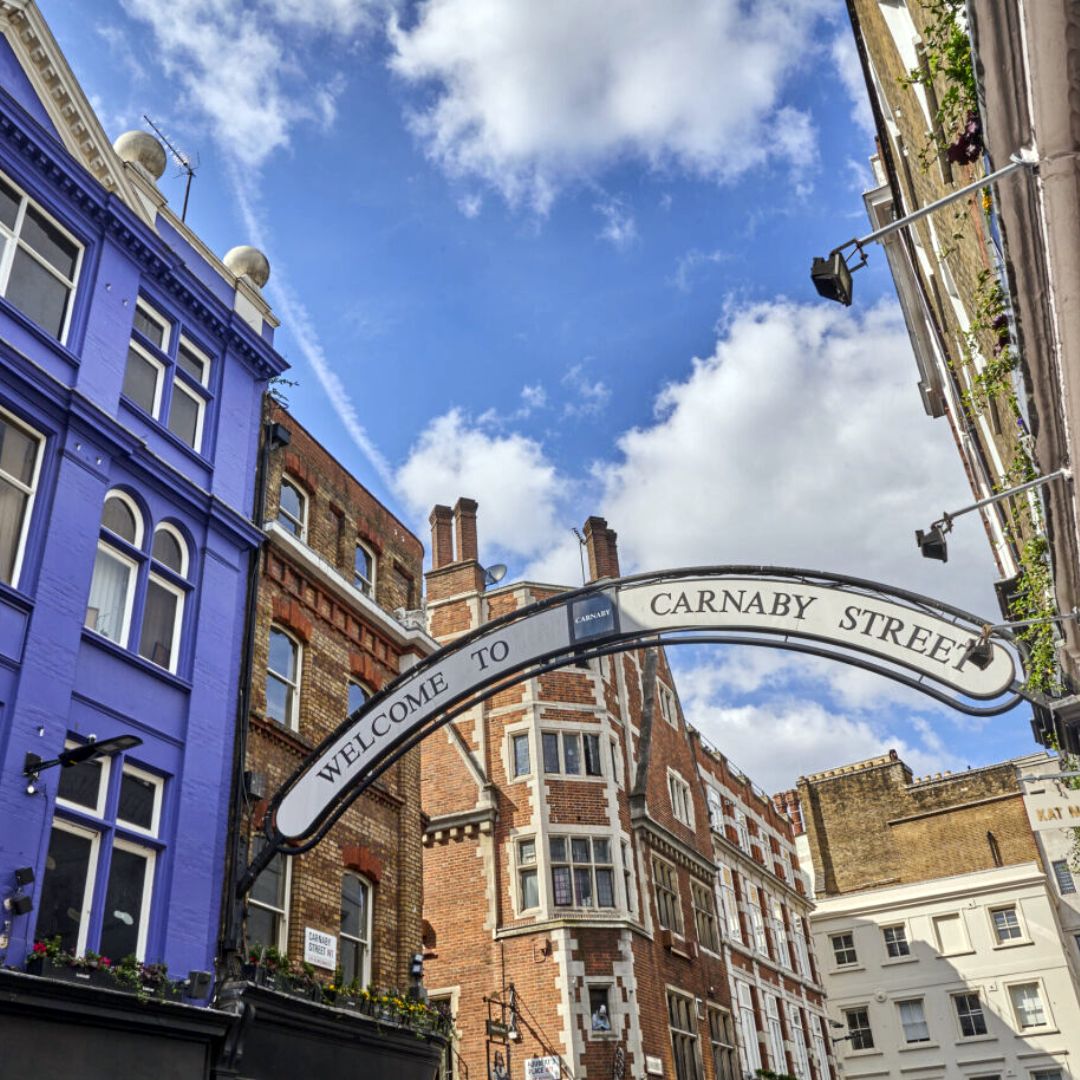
{"x": 582, "y": 873}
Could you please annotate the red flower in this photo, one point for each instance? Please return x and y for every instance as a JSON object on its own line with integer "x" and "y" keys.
{"x": 40, "y": 947}
{"x": 104, "y": 961}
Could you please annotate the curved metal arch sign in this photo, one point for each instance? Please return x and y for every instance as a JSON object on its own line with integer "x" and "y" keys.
{"x": 899, "y": 634}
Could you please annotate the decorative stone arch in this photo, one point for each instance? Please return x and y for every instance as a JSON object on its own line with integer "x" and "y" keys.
{"x": 919, "y": 642}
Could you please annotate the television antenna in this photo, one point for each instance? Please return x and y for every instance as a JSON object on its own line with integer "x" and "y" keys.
{"x": 181, "y": 159}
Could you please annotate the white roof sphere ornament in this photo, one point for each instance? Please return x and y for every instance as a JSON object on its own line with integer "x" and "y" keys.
{"x": 143, "y": 149}
{"x": 247, "y": 261}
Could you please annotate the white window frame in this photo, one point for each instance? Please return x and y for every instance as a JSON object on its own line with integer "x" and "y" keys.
{"x": 159, "y": 789}
{"x": 799, "y": 1041}
{"x": 1058, "y": 866}
{"x": 780, "y": 933}
{"x": 521, "y": 867}
{"x": 155, "y": 316}
{"x": 742, "y": 829}
{"x": 774, "y": 1032}
{"x": 283, "y": 925}
{"x": 119, "y": 843}
{"x": 729, "y": 902}
{"x": 682, "y": 799}
{"x": 364, "y": 584}
{"x": 561, "y": 735}
{"x": 1010, "y": 942}
{"x": 921, "y": 1003}
{"x": 817, "y": 1038}
{"x": 707, "y": 915}
{"x": 191, "y": 347}
{"x": 178, "y": 536}
{"x": 303, "y": 519}
{"x": 200, "y": 414}
{"x": 15, "y": 241}
{"x": 843, "y": 965}
{"x": 133, "y": 506}
{"x": 668, "y": 888}
{"x": 593, "y": 866}
{"x": 350, "y": 682}
{"x": 512, "y": 738}
{"x": 159, "y": 381}
{"x": 103, "y": 788}
{"x": 292, "y": 721}
{"x": 30, "y": 491}
{"x": 178, "y": 619}
{"x": 1044, "y": 1001}
{"x": 749, "y": 1046}
{"x": 865, "y": 1010}
{"x": 369, "y": 908}
{"x": 666, "y": 698}
{"x": 903, "y": 940}
{"x": 94, "y": 836}
{"x": 755, "y": 916}
{"x": 689, "y": 1034}
{"x": 123, "y": 638}
{"x": 970, "y": 992}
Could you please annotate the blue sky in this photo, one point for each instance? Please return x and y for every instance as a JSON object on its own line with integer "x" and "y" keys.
{"x": 555, "y": 257}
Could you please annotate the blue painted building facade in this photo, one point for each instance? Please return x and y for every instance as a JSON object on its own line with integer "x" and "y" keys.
{"x": 132, "y": 366}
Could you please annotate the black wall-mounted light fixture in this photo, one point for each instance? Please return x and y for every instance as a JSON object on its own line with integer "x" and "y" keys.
{"x": 831, "y": 275}
{"x": 88, "y": 751}
{"x": 980, "y": 652}
{"x": 932, "y": 542}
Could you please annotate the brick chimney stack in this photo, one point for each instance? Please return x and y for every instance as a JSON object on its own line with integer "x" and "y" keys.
{"x": 602, "y": 548}
{"x": 465, "y": 529}
{"x": 442, "y": 540}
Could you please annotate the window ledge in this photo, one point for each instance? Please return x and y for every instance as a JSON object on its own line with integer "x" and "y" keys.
{"x": 43, "y": 335}
{"x": 950, "y": 955}
{"x": 1016, "y": 943}
{"x": 907, "y": 1048}
{"x": 965, "y": 1040}
{"x": 874, "y": 1052}
{"x": 13, "y": 596}
{"x": 846, "y": 968}
{"x": 174, "y": 440}
{"x": 893, "y": 961}
{"x": 1023, "y": 1033}
{"x": 158, "y": 672}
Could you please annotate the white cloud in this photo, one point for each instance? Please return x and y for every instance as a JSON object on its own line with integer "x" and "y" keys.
{"x": 516, "y": 485}
{"x": 691, "y": 262}
{"x": 589, "y": 397}
{"x": 845, "y": 59}
{"x": 529, "y": 97}
{"x": 471, "y": 205}
{"x": 620, "y": 228}
{"x": 799, "y": 442}
{"x": 241, "y": 66}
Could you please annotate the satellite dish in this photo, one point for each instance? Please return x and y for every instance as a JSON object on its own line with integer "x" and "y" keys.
{"x": 494, "y": 574}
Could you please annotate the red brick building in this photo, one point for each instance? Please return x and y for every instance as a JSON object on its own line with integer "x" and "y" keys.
{"x": 569, "y": 854}
{"x": 336, "y": 568}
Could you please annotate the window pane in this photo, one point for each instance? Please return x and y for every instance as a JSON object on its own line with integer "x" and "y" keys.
{"x": 357, "y": 696}
{"x": 18, "y": 452}
{"x": 354, "y": 901}
{"x": 184, "y": 417}
{"x": 159, "y": 624}
{"x": 188, "y": 360}
{"x": 269, "y": 887}
{"x": 49, "y": 242}
{"x": 579, "y": 850}
{"x": 560, "y": 880}
{"x": 605, "y": 888}
{"x": 351, "y": 959}
{"x": 282, "y": 655}
{"x": 36, "y": 293}
{"x": 278, "y": 700}
{"x": 558, "y": 848}
{"x": 262, "y": 927}
{"x": 12, "y": 514}
{"x": 137, "y": 798}
{"x": 601, "y": 850}
{"x": 1064, "y": 877}
{"x": 63, "y": 891}
{"x": 80, "y": 784}
{"x": 592, "y": 755}
{"x": 291, "y": 508}
{"x": 9, "y": 204}
{"x": 167, "y": 550}
{"x": 117, "y": 517}
{"x": 572, "y": 754}
{"x": 108, "y": 596}
{"x": 150, "y": 328}
{"x": 583, "y": 887}
{"x": 141, "y": 380}
{"x": 530, "y": 891}
{"x": 124, "y": 900}
{"x": 527, "y": 851}
{"x": 551, "y": 752}
{"x": 362, "y": 564}
{"x": 521, "y": 755}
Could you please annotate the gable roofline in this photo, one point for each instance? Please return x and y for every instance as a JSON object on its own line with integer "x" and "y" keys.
{"x": 63, "y": 99}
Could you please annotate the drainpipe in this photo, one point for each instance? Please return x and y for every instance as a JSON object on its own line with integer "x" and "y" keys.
{"x": 271, "y": 436}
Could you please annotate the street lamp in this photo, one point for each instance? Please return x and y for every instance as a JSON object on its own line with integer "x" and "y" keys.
{"x": 88, "y": 751}
{"x": 831, "y": 275}
{"x": 932, "y": 543}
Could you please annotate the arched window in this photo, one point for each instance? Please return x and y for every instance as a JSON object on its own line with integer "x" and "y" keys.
{"x": 163, "y": 613}
{"x": 112, "y": 588}
{"x": 292, "y": 509}
{"x": 358, "y": 694}
{"x": 283, "y": 679}
{"x": 355, "y": 940}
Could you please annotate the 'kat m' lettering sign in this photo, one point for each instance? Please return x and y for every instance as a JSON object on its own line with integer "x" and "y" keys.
{"x": 900, "y": 635}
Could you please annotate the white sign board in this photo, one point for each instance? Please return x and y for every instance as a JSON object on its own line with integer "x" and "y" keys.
{"x": 1051, "y": 805}
{"x": 901, "y": 633}
{"x": 653, "y": 1065}
{"x": 320, "y": 949}
{"x": 542, "y": 1068}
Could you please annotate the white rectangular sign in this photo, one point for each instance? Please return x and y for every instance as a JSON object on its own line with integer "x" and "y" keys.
{"x": 542, "y": 1068}
{"x": 1051, "y": 805}
{"x": 320, "y": 949}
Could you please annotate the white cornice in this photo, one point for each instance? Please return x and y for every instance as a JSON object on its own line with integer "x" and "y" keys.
{"x": 63, "y": 99}
{"x": 328, "y": 576}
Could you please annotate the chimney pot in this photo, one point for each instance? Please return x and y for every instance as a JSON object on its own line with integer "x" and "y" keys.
{"x": 465, "y": 530}
{"x": 442, "y": 540}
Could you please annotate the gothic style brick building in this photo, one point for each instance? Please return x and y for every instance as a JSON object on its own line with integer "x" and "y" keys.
{"x": 570, "y": 864}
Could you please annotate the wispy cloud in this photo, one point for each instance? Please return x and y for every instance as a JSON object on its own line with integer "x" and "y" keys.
{"x": 620, "y": 228}
{"x": 688, "y": 265}
{"x": 589, "y": 397}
